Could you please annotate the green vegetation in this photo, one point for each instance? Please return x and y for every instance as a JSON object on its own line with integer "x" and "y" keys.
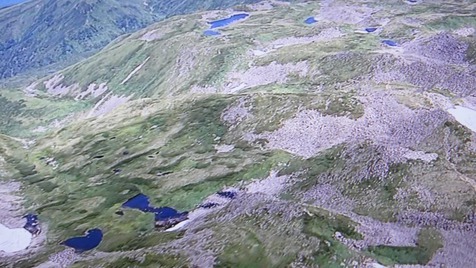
{"x": 452, "y": 22}
{"x": 151, "y": 260}
{"x": 166, "y": 142}
{"x": 429, "y": 241}
{"x": 323, "y": 225}
{"x": 248, "y": 253}
{"x": 80, "y": 20}
{"x": 10, "y": 111}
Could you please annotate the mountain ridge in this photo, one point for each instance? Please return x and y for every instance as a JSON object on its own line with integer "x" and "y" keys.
{"x": 289, "y": 144}
{"x": 58, "y": 30}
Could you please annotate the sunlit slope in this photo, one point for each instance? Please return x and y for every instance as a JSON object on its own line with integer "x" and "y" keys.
{"x": 50, "y": 34}
{"x": 272, "y": 50}
{"x": 340, "y": 148}
{"x": 174, "y": 56}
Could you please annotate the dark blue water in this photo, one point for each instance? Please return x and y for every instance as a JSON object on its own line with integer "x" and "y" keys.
{"x": 6, "y": 3}
{"x": 32, "y": 225}
{"x": 91, "y": 240}
{"x": 227, "y": 194}
{"x": 211, "y": 33}
{"x": 142, "y": 203}
{"x": 209, "y": 205}
{"x": 389, "y": 43}
{"x": 227, "y": 21}
{"x": 371, "y": 29}
{"x": 310, "y": 20}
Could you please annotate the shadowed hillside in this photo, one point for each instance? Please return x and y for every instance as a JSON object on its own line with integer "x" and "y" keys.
{"x": 40, "y": 33}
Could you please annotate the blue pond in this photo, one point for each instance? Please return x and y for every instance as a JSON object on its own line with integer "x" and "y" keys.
{"x": 371, "y": 29}
{"x": 227, "y": 21}
{"x": 389, "y": 43}
{"x": 142, "y": 203}
{"x": 32, "y": 224}
{"x": 310, "y": 20}
{"x": 227, "y": 194}
{"x": 209, "y": 205}
{"x": 211, "y": 33}
{"x": 91, "y": 240}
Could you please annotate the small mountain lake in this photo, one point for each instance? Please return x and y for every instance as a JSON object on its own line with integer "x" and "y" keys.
{"x": 371, "y": 29}
{"x": 32, "y": 224}
{"x": 310, "y": 20}
{"x": 142, "y": 203}
{"x": 227, "y": 21}
{"x": 91, "y": 240}
{"x": 389, "y": 42}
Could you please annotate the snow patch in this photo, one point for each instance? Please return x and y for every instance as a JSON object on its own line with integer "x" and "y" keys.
{"x": 12, "y": 240}
{"x": 466, "y": 116}
{"x": 135, "y": 71}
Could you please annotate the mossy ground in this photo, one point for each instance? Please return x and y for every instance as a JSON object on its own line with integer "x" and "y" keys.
{"x": 429, "y": 241}
{"x": 164, "y": 147}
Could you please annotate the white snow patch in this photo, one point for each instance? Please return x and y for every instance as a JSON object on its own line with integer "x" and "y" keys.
{"x": 466, "y": 116}
{"x": 135, "y": 71}
{"x": 202, "y": 212}
{"x": 193, "y": 215}
{"x": 12, "y": 240}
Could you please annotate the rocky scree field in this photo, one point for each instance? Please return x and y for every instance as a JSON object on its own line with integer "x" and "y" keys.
{"x": 340, "y": 150}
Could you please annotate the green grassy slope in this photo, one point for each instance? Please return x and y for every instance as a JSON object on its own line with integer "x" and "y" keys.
{"x": 53, "y": 33}
{"x": 164, "y": 143}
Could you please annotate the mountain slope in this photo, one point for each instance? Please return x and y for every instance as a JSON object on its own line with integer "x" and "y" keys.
{"x": 291, "y": 145}
{"x": 40, "y": 33}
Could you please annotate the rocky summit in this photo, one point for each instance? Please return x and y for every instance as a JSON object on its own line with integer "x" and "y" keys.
{"x": 238, "y": 133}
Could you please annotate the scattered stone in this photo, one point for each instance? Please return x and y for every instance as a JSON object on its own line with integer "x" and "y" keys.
{"x": 224, "y": 148}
